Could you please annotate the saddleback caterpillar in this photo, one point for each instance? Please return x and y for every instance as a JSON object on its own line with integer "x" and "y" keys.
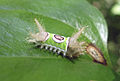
{"x": 67, "y": 46}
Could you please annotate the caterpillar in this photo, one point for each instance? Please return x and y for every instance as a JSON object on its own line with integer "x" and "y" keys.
{"x": 66, "y": 46}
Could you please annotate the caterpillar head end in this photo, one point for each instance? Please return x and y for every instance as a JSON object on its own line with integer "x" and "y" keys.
{"x": 37, "y": 37}
{"x": 96, "y": 54}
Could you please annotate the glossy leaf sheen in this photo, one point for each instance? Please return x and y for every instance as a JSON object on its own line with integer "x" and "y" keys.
{"x": 19, "y": 61}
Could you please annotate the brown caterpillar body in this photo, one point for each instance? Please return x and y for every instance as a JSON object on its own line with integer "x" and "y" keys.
{"x": 74, "y": 48}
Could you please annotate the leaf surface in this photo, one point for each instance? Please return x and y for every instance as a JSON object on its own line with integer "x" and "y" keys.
{"x": 20, "y": 61}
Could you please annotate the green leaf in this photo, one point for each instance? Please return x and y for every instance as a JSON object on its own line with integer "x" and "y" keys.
{"x": 19, "y": 61}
